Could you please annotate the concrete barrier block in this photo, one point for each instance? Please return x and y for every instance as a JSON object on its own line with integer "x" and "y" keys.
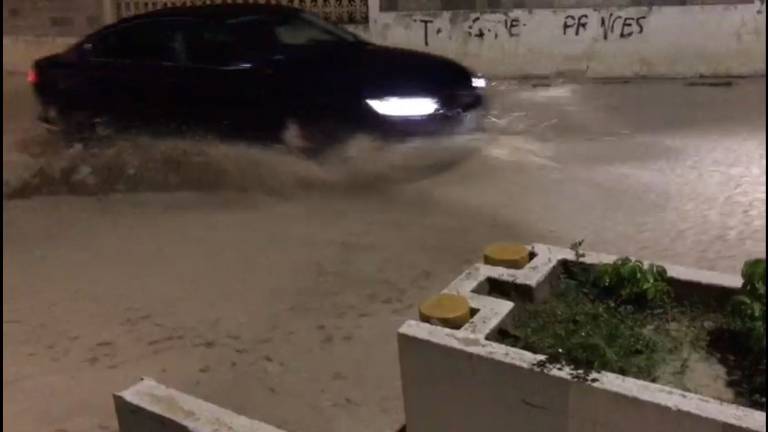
{"x": 152, "y": 407}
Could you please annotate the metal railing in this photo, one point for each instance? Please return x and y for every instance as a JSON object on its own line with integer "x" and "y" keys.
{"x": 335, "y": 11}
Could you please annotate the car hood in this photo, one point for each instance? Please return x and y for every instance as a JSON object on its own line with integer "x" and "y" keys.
{"x": 398, "y": 72}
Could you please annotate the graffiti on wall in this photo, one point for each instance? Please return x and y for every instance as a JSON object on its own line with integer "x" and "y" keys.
{"x": 493, "y": 26}
{"x": 425, "y": 22}
{"x": 488, "y": 26}
{"x": 503, "y": 26}
{"x": 612, "y": 26}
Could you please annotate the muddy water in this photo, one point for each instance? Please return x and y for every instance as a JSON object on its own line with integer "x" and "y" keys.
{"x": 146, "y": 164}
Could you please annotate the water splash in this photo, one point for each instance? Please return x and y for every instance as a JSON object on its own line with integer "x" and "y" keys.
{"x": 144, "y": 164}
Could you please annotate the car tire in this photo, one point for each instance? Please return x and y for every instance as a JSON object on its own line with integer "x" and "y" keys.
{"x": 71, "y": 126}
{"x": 320, "y": 136}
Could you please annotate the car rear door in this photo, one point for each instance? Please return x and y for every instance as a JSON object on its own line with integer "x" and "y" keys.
{"x": 135, "y": 69}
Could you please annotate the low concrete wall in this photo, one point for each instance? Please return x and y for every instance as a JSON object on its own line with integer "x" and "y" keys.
{"x": 655, "y": 41}
{"x": 20, "y": 51}
{"x": 151, "y": 407}
{"x": 52, "y": 18}
{"x": 460, "y": 381}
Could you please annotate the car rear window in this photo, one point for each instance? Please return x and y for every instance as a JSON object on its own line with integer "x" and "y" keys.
{"x": 155, "y": 41}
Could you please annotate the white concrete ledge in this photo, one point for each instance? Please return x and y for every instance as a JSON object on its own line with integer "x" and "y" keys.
{"x": 463, "y": 381}
{"x": 152, "y": 407}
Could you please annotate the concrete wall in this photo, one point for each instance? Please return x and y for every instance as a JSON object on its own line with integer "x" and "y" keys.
{"x": 462, "y": 381}
{"x": 51, "y": 17}
{"x": 486, "y": 5}
{"x": 616, "y": 41}
{"x": 20, "y": 51}
{"x": 674, "y": 41}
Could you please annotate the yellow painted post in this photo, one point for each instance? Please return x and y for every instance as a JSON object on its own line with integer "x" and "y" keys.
{"x": 507, "y": 255}
{"x": 446, "y": 310}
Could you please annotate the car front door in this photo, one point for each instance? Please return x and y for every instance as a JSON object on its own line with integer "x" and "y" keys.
{"x": 229, "y": 81}
{"x": 322, "y": 64}
{"x": 295, "y": 66}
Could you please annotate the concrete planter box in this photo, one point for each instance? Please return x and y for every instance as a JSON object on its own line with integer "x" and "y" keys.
{"x": 463, "y": 381}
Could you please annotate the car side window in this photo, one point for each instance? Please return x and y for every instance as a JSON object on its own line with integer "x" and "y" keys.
{"x": 154, "y": 41}
{"x": 230, "y": 43}
{"x": 213, "y": 44}
{"x": 255, "y": 34}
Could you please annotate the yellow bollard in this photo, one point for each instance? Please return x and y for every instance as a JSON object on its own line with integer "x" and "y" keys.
{"x": 447, "y": 310}
{"x": 508, "y": 255}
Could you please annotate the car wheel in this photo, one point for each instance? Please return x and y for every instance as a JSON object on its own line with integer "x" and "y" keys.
{"x": 70, "y": 125}
{"x": 320, "y": 136}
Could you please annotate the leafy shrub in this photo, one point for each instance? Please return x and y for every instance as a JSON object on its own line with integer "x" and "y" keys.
{"x": 620, "y": 317}
{"x": 746, "y": 312}
{"x": 629, "y": 282}
{"x": 745, "y": 317}
{"x": 625, "y": 281}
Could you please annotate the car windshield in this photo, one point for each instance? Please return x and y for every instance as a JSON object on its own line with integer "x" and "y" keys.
{"x": 293, "y": 30}
{"x": 340, "y": 33}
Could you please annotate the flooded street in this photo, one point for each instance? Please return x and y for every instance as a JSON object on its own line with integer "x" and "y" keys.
{"x": 265, "y": 293}
{"x": 656, "y": 169}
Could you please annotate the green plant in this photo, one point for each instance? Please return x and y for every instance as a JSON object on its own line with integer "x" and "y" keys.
{"x": 587, "y": 335}
{"x": 746, "y": 312}
{"x": 605, "y": 317}
{"x": 624, "y": 281}
{"x": 576, "y": 248}
{"x": 745, "y": 317}
{"x": 620, "y": 317}
{"x": 630, "y": 282}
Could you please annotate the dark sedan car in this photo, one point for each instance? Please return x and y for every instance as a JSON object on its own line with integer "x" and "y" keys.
{"x": 248, "y": 69}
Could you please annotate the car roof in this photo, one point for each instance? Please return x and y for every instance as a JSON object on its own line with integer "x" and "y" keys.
{"x": 220, "y": 11}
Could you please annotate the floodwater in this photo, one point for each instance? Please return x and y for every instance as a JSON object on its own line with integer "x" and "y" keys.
{"x": 261, "y": 282}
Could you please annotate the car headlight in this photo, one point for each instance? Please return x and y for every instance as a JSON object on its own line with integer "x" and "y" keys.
{"x": 478, "y": 82}
{"x": 404, "y": 106}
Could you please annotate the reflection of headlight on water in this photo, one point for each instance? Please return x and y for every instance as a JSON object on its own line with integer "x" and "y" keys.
{"x": 404, "y": 106}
